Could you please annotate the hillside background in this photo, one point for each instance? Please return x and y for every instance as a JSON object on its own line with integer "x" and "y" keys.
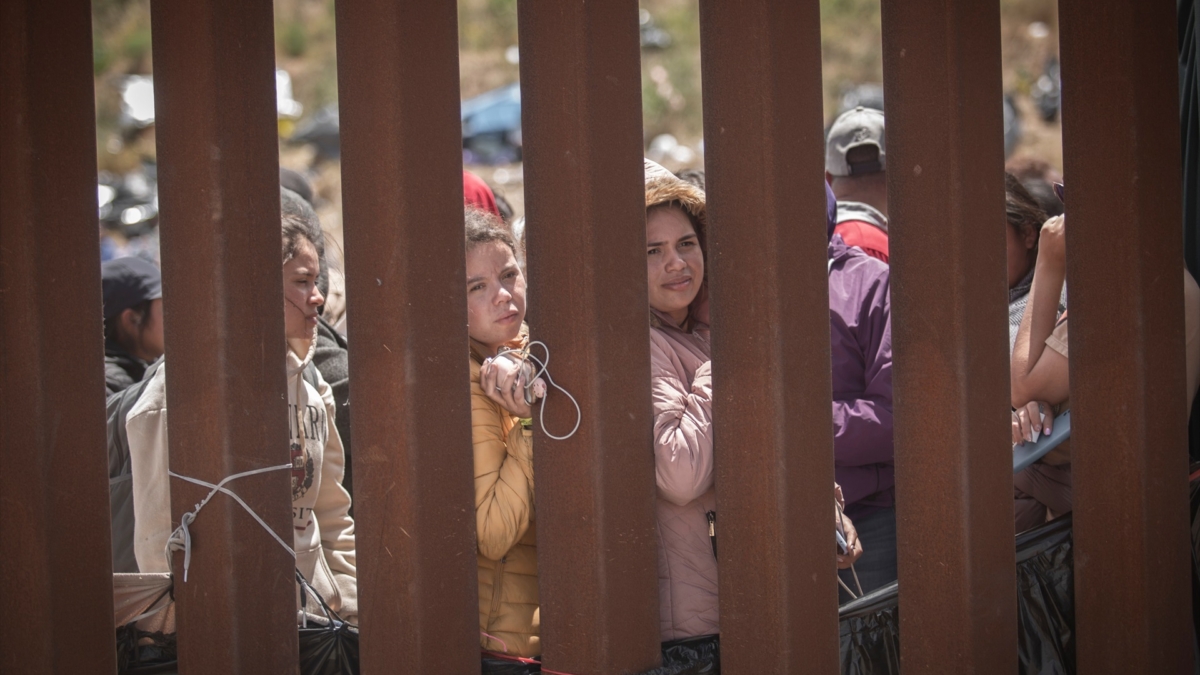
{"x": 304, "y": 36}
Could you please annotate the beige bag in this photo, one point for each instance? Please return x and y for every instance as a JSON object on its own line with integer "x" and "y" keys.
{"x": 144, "y": 599}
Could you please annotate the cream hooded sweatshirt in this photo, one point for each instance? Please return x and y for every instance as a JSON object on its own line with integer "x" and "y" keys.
{"x": 322, "y": 528}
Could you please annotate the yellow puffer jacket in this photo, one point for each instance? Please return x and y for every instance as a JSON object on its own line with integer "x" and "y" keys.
{"x": 504, "y": 522}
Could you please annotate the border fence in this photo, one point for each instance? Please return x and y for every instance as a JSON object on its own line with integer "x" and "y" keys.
{"x": 581, "y": 93}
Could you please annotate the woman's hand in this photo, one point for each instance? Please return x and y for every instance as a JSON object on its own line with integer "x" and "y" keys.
{"x": 854, "y": 546}
{"x": 504, "y": 383}
{"x": 1029, "y": 419}
{"x": 1052, "y": 242}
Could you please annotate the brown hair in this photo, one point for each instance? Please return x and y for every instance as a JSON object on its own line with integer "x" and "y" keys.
{"x": 1021, "y": 209}
{"x": 1023, "y": 213}
{"x": 484, "y": 227}
{"x": 298, "y": 220}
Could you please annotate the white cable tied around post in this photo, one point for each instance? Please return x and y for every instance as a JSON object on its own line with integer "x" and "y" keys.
{"x": 181, "y": 538}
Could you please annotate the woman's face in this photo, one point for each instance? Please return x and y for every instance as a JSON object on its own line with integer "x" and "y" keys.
{"x": 144, "y": 337}
{"x": 495, "y": 294}
{"x": 674, "y": 262}
{"x": 301, "y": 298}
{"x": 1020, "y": 243}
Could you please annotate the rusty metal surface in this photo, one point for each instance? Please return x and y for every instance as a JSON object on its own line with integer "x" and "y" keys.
{"x": 770, "y": 306}
{"x": 402, "y": 177}
{"x": 950, "y": 371}
{"x": 1124, "y": 268}
{"x": 52, "y": 457}
{"x": 222, "y": 303}
{"x": 584, "y": 196}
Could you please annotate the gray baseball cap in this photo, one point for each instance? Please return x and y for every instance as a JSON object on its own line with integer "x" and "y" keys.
{"x": 855, "y": 128}
{"x": 128, "y": 282}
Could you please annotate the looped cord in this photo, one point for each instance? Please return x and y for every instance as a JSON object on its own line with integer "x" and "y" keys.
{"x": 503, "y": 644}
{"x": 541, "y": 370}
{"x": 181, "y": 538}
{"x": 842, "y": 522}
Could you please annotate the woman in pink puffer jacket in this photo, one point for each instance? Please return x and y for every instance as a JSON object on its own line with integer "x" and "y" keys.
{"x": 681, "y": 390}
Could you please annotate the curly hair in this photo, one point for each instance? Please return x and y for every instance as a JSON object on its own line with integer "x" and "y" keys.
{"x": 484, "y": 227}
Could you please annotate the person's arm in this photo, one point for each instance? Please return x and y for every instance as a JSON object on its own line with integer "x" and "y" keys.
{"x": 146, "y": 428}
{"x": 683, "y": 449}
{"x": 503, "y": 478}
{"x": 332, "y": 512}
{"x": 1037, "y": 373}
{"x": 862, "y": 427}
{"x": 843, "y": 524}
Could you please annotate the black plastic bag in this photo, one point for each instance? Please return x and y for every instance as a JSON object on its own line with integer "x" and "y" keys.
{"x": 330, "y": 649}
{"x": 500, "y": 665}
{"x": 869, "y": 629}
{"x": 142, "y": 653}
{"x": 870, "y": 626}
{"x": 1046, "y": 600}
{"x": 1194, "y": 486}
{"x": 690, "y": 656}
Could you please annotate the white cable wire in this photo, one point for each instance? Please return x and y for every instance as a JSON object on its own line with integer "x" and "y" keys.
{"x": 846, "y": 588}
{"x": 181, "y": 538}
{"x": 527, "y": 355}
{"x": 842, "y": 520}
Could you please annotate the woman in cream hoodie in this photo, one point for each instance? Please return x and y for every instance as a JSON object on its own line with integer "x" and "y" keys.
{"x": 323, "y": 532}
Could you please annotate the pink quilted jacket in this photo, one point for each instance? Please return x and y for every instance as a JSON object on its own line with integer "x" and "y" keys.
{"x": 681, "y": 386}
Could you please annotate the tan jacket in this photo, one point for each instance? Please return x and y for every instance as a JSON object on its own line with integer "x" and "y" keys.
{"x": 509, "y": 618}
{"x": 323, "y": 532}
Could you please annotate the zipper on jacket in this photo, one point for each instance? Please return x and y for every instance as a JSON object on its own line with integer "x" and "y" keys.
{"x": 712, "y": 530}
{"x": 497, "y": 589}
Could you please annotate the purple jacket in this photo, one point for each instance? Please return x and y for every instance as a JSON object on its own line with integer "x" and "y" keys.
{"x": 861, "y": 351}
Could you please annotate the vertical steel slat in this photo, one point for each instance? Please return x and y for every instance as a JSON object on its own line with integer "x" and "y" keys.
{"x": 582, "y": 126}
{"x": 223, "y": 313}
{"x": 770, "y": 306}
{"x": 954, "y": 497}
{"x": 55, "y": 527}
{"x": 1124, "y": 261}
{"x": 403, "y": 205}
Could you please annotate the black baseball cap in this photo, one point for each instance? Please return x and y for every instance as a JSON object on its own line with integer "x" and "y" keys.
{"x": 128, "y": 282}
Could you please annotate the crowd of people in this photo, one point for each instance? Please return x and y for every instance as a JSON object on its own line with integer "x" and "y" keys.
{"x": 505, "y": 387}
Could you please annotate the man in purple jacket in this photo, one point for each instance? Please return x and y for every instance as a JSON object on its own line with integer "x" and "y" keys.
{"x": 861, "y": 351}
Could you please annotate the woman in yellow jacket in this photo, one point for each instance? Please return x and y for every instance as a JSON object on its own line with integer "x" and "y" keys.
{"x": 504, "y": 516}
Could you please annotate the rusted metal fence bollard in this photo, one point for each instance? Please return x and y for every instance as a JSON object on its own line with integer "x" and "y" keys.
{"x": 581, "y": 109}
{"x": 218, "y": 154}
{"x": 1124, "y": 269}
{"x": 52, "y": 458}
{"x": 402, "y": 178}
{"x": 770, "y": 306}
{"x": 953, "y": 460}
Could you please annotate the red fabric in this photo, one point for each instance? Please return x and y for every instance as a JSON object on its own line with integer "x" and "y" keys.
{"x": 872, "y": 240}
{"x": 477, "y": 193}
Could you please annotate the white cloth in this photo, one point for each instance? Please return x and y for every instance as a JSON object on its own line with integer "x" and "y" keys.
{"x": 323, "y": 532}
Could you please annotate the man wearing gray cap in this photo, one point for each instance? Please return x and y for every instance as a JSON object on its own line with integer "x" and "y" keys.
{"x": 133, "y": 325}
{"x": 855, "y": 161}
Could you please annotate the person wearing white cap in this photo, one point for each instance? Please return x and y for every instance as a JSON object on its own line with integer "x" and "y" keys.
{"x": 855, "y": 165}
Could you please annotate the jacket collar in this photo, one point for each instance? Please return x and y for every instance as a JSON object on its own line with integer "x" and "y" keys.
{"x": 862, "y": 212}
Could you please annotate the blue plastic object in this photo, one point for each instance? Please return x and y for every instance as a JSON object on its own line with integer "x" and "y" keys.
{"x": 1024, "y": 455}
